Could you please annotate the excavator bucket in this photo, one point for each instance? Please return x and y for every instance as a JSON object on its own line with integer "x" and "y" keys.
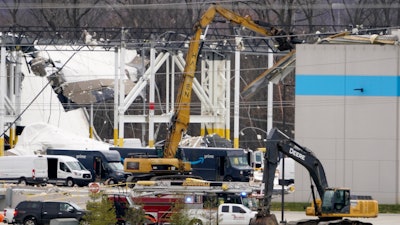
{"x": 269, "y": 219}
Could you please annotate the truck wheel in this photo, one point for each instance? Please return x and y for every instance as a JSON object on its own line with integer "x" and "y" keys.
{"x": 195, "y": 222}
{"x": 131, "y": 180}
{"x": 111, "y": 182}
{"x": 22, "y": 182}
{"x": 30, "y": 221}
{"x": 83, "y": 222}
{"x": 70, "y": 182}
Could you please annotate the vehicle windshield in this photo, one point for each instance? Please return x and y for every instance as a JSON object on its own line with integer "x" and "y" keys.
{"x": 327, "y": 202}
{"x": 238, "y": 161}
{"x": 75, "y": 206}
{"x": 116, "y": 165}
{"x": 75, "y": 165}
{"x": 251, "y": 203}
{"x": 259, "y": 157}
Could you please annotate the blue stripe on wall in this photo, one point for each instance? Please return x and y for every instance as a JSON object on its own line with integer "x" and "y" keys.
{"x": 341, "y": 85}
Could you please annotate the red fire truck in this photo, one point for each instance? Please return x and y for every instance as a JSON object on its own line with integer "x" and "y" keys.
{"x": 161, "y": 200}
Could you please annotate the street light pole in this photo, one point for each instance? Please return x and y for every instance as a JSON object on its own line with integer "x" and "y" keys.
{"x": 270, "y": 94}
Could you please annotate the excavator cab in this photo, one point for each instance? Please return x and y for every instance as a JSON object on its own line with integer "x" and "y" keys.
{"x": 336, "y": 201}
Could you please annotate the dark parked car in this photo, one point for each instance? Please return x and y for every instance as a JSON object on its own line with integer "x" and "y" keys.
{"x": 40, "y": 213}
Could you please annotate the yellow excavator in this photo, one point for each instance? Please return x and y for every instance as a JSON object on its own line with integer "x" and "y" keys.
{"x": 334, "y": 204}
{"x": 169, "y": 163}
{"x": 180, "y": 119}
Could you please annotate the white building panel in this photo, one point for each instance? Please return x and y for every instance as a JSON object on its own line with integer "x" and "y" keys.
{"x": 347, "y": 112}
{"x": 371, "y": 60}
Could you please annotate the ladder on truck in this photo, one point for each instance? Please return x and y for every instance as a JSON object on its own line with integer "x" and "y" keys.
{"x": 191, "y": 185}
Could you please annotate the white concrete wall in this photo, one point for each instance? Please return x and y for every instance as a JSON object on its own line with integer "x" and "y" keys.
{"x": 355, "y": 134}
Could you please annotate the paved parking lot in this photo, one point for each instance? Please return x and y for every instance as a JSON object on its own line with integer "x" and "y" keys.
{"x": 383, "y": 219}
{"x": 80, "y": 197}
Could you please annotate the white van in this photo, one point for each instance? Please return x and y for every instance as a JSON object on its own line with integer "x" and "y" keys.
{"x": 67, "y": 170}
{"x": 23, "y": 169}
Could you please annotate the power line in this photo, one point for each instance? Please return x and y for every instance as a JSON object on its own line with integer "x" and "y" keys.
{"x": 102, "y": 5}
{"x": 184, "y": 5}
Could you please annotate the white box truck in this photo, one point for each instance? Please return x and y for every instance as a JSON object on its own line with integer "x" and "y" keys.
{"x": 67, "y": 171}
{"x": 23, "y": 170}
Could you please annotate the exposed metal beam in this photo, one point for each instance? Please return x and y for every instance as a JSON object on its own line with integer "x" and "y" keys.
{"x": 218, "y": 39}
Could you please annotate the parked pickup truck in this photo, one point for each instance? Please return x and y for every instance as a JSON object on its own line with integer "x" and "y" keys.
{"x": 227, "y": 214}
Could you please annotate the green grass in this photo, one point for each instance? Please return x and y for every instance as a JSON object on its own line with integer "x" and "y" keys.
{"x": 389, "y": 208}
{"x": 290, "y": 206}
{"x": 301, "y": 206}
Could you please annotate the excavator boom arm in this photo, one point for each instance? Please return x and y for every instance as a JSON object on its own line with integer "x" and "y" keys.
{"x": 180, "y": 119}
{"x": 279, "y": 143}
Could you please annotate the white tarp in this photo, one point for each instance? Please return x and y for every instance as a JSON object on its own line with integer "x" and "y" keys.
{"x": 36, "y": 138}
